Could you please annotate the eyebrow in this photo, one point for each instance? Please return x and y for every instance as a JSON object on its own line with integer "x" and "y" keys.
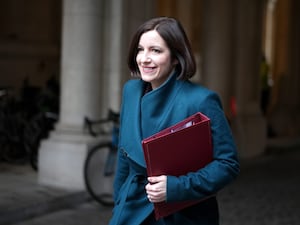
{"x": 152, "y": 46}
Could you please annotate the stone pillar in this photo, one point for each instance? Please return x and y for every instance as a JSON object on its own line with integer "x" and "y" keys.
{"x": 294, "y": 70}
{"x": 249, "y": 125}
{"x": 122, "y": 17}
{"x": 61, "y": 157}
{"x": 269, "y": 33}
{"x": 284, "y": 113}
{"x": 114, "y": 60}
{"x": 217, "y": 48}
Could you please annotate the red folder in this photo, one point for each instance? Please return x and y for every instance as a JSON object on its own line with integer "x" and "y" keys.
{"x": 182, "y": 148}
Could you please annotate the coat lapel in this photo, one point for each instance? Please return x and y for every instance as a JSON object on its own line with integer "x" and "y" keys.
{"x": 130, "y": 133}
{"x": 144, "y": 115}
{"x": 156, "y": 107}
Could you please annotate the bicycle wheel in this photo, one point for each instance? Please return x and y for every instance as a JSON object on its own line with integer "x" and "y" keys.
{"x": 98, "y": 173}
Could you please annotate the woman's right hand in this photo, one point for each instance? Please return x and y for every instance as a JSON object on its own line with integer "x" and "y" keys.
{"x": 156, "y": 189}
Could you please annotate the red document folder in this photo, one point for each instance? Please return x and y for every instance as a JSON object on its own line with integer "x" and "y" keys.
{"x": 177, "y": 150}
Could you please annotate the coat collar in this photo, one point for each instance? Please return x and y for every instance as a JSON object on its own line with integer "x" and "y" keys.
{"x": 156, "y": 104}
{"x": 146, "y": 114}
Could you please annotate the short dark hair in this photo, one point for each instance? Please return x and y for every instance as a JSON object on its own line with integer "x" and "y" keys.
{"x": 176, "y": 39}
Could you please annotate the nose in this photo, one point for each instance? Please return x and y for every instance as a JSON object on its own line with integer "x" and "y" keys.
{"x": 145, "y": 58}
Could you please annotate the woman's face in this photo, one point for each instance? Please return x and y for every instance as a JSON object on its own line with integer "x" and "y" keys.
{"x": 154, "y": 59}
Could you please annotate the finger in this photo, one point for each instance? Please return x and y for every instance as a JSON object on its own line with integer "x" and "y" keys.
{"x": 154, "y": 188}
{"x": 154, "y": 199}
{"x": 149, "y": 197}
{"x": 155, "y": 179}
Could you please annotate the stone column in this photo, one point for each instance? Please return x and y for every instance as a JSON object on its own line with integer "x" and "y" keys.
{"x": 249, "y": 125}
{"x": 294, "y": 71}
{"x": 61, "y": 157}
{"x": 269, "y": 36}
{"x": 217, "y": 48}
{"x": 114, "y": 60}
{"x": 284, "y": 113}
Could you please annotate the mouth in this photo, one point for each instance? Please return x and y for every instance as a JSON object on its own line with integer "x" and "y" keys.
{"x": 148, "y": 69}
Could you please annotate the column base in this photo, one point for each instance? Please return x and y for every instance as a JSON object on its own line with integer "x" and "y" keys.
{"x": 61, "y": 160}
{"x": 61, "y": 164}
{"x": 283, "y": 125}
{"x": 250, "y": 131}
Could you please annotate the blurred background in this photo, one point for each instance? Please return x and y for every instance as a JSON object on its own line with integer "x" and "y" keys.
{"x": 68, "y": 57}
{"x": 64, "y": 60}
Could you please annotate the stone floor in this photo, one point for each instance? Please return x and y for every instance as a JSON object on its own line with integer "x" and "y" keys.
{"x": 265, "y": 193}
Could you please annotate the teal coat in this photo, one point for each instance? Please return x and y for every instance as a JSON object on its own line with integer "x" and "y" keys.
{"x": 145, "y": 114}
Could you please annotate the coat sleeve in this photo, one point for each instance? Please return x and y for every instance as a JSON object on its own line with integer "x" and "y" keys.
{"x": 217, "y": 174}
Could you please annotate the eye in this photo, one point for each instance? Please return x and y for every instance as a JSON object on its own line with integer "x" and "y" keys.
{"x": 139, "y": 49}
{"x": 156, "y": 50}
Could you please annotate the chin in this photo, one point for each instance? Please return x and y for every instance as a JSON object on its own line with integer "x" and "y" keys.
{"x": 147, "y": 78}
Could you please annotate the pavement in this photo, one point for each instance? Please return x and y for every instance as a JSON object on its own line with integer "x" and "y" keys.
{"x": 265, "y": 193}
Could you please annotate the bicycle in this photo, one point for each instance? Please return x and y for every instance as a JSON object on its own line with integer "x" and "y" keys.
{"x": 12, "y": 123}
{"x": 37, "y": 129}
{"x": 100, "y": 163}
{"x": 23, "y": 124}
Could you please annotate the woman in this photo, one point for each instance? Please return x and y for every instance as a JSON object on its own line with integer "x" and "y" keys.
{"x": 160, "y": 56}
